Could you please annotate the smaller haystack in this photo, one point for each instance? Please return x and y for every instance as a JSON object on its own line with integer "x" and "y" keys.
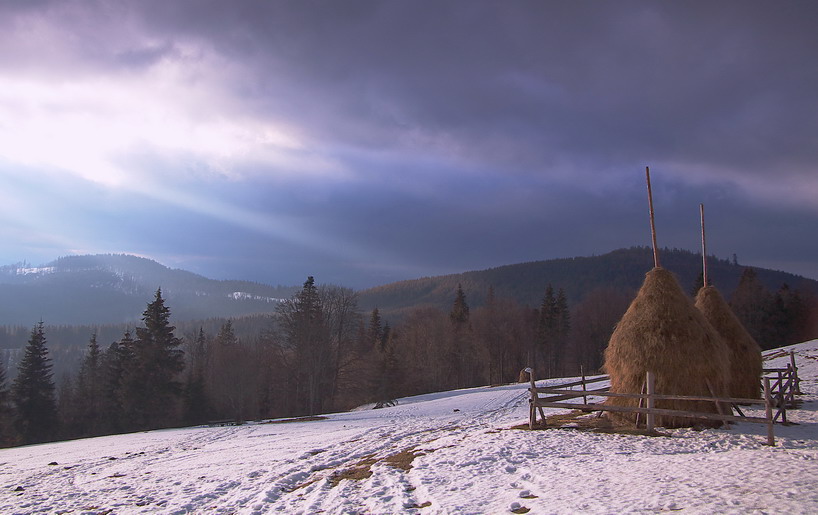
{"x": 662, "y": 331}
{"x": 745, "y": 353}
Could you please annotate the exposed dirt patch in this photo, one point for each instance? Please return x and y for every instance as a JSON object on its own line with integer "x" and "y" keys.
{"x": 521, "y": 509}
{"x": 418, "y": 506}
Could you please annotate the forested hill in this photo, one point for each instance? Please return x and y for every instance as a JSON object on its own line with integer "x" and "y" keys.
{"x": 621, "y": 270}
{"x": 100, "y": 289}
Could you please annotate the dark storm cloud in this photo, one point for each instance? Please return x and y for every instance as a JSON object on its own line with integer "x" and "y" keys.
{"x": 520, "y": 84}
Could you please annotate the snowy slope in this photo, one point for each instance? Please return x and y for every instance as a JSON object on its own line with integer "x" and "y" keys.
{"x": 466, "y": 460}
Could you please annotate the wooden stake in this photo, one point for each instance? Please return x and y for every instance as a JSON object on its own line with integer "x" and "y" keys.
{"x": 651, "y": 417}
{"x": 652, "y": 223}
{"x": 704, "y": 248}
{"x": 768, "y": 404}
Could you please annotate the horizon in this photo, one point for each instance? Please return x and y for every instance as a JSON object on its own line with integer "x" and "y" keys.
{"x": 366, "y": 143}
{"x": 729, "y": 259}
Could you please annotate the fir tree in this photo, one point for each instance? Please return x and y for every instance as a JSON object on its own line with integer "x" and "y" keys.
{"x": 6, "y": 437}
{"x": 698, "y": 284}
{"x": 307, "y": 344}
{"x": 546, "y": 333}
{"x": 197, "y": 404}
{"x": 33, "y": 392}
{"x": 119, "y": 363}
{"x": 159, "y": 361}
{"x": 459, "y": 314}
{"x": 562, "y": 329}
{"x": 226, "y": 336}
{"x": 458, "y": 358}
{"x": 375, "y": 332}
{"x": 89, "y": 389}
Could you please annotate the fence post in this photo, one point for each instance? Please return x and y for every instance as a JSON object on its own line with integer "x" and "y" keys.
{"x": 797, "y": 388}
{"x": 768, "y": 402}
{"x": 584, "y": 388}
{"x": 651, "y": 418}
{"x": 532, "y": 414}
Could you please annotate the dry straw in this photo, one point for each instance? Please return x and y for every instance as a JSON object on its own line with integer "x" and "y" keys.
{"x": 745, "y": 354}
{"x": 662, "y": 331}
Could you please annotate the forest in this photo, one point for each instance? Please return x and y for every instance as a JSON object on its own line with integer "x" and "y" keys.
{"x": 319, "y": 352}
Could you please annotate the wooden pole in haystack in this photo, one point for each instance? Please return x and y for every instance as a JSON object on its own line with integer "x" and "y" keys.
{"x": 704, "y": 248}
{"x": 652, "y": 223}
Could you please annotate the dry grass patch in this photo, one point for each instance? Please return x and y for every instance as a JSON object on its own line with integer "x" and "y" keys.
{"x": 357, "y": 472}
{"x": 593, "y": 423}
{"x": 403, "y": 460}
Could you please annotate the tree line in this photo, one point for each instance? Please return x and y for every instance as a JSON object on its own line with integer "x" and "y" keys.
{"x": 320, "y": 353}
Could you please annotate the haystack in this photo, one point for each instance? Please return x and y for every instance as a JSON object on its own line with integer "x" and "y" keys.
{"x": 662, "y": 331}
{"x": 745, "y": 353}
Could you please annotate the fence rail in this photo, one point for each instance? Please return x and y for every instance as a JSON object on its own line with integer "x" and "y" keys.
{"x": 780, "y": 385}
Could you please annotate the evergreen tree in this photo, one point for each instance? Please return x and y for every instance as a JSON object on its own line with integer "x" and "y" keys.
{"x": 6, "y": 435}
{"x": 698, "y": 284}
{"x": 546, "y": 334}
{"x": 33, "y": 392}
{"x": 390, "y": 377}
{"x": 460, "y": 370}
{"x": 753, "y": 305}
{"x": 89, "y": 389}
{"x": 118, "y": 365}
{"x": 459, "y": 315}
{"x": 307, "y": 345}
{"x": 789, "y": 317}
{"x": 375, "y": 331}
{"x": 159, "y": 361}
{"x": 197, "y": 403}
{"x": 226, "y": 336}
{"x": 562, "y": 330}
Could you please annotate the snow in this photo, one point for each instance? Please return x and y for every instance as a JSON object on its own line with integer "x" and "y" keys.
{"x": 466, "y": 460}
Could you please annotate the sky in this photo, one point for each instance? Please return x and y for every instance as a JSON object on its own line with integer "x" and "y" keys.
{"x": 368, "y": 142}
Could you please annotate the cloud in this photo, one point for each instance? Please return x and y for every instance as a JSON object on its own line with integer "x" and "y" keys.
{"x": 398, "y": 139}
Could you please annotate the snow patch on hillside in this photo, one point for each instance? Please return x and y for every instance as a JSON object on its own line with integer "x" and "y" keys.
{"x": 240, "y": 295}
{"x": 448, "y": 452}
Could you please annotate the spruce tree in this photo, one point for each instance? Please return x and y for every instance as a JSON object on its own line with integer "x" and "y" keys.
{"x": 6, "y": 437}
{"x": 562, "y": 329}
{"x": 226, "y": 335}
{"x": 306, "y": 337}
{"x": 33, "y": 392}
{"x": 89, "y": 389}
{"x": 118, "y": 365}
{"x": 375, "y": 333}
{"x": 546, "y": 333}
{"x": 457, "y": 357}
{"x": 159, "y": 361}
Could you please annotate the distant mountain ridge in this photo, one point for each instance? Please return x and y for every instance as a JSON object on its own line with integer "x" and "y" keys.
{"x": 114, "y": 288}
{"x": 622, "y": 270}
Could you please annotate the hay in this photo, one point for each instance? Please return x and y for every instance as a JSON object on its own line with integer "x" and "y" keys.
{"x": 745, "y": 354}
{"x": 662, "y": 331}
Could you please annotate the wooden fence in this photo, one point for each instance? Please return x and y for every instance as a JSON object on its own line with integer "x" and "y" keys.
{"x": 779, "y": 390}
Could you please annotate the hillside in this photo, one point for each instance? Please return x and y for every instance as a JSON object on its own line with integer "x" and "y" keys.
{"x": 448, "y": 452}
{"x": 623, "y": 270}
{"x": 103, "y": 289}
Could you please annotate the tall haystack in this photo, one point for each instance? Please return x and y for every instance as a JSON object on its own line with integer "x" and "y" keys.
{"x": 745, "y": 353}
{"x": 662, "y": 331}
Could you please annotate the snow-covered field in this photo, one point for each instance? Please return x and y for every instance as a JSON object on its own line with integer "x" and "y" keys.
{"x": 450, "y": 452}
